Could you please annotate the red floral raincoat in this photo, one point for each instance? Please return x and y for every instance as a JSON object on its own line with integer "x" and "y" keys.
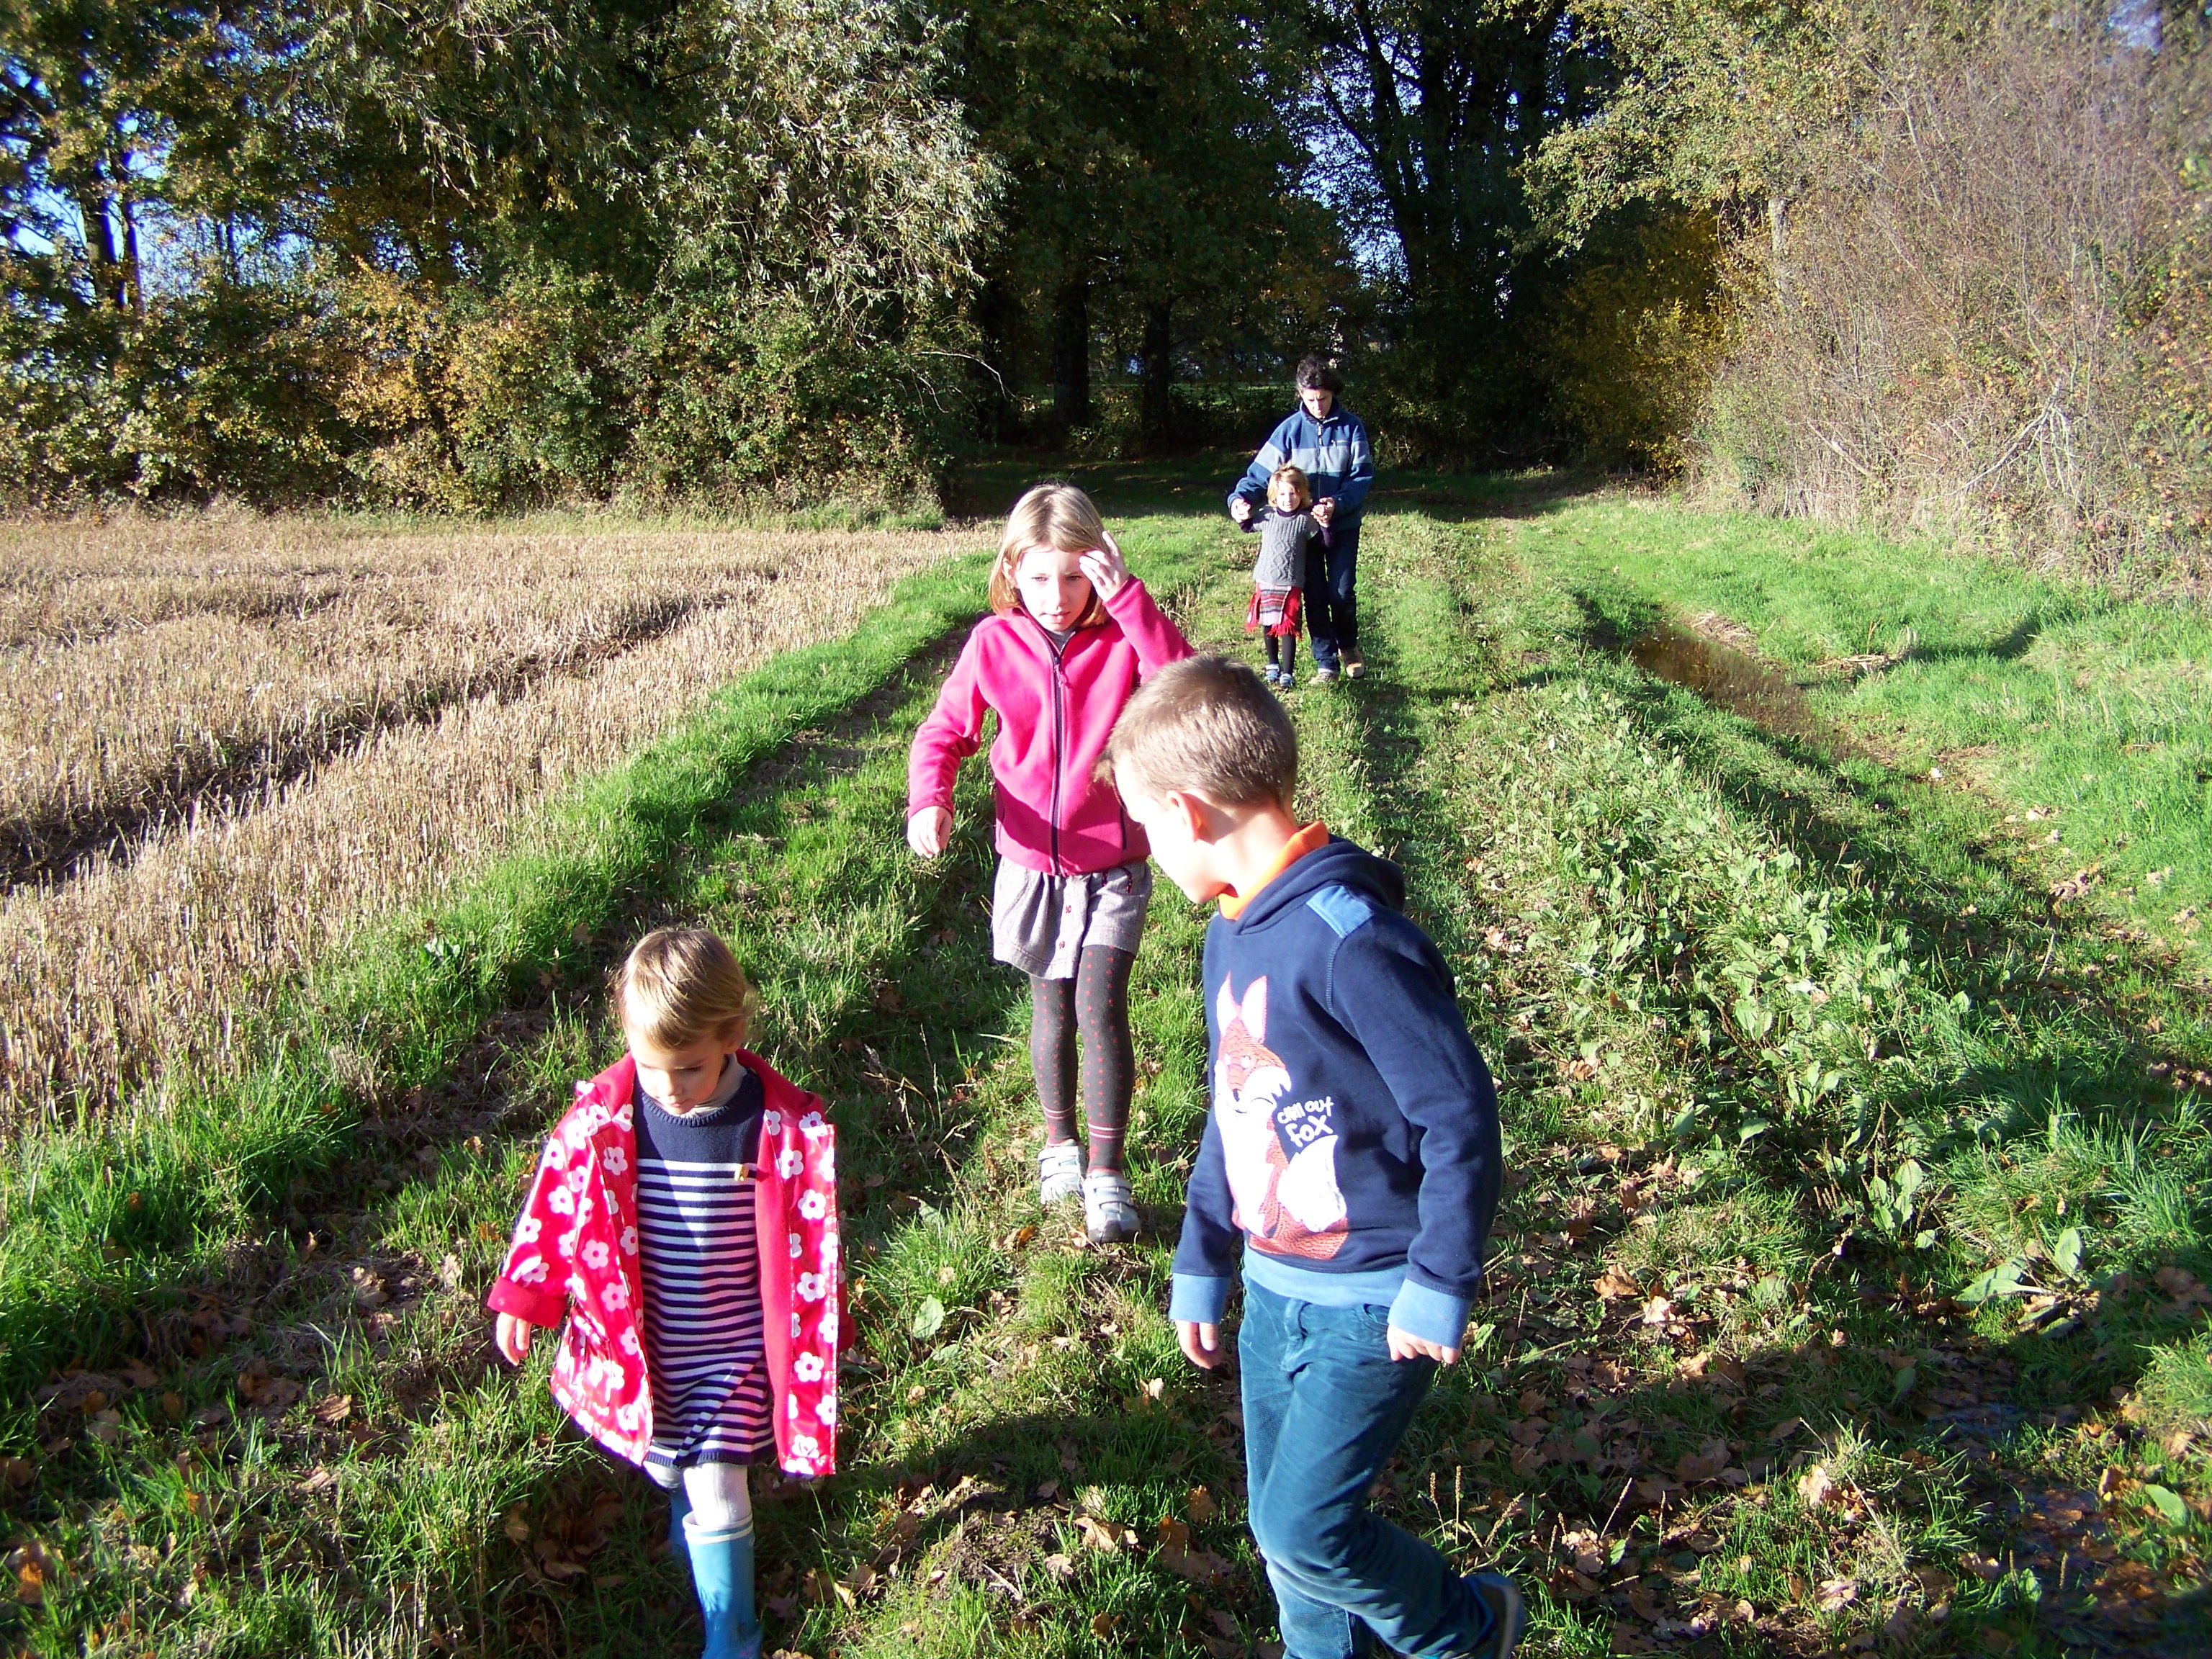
{"x": 575, "y": 1255}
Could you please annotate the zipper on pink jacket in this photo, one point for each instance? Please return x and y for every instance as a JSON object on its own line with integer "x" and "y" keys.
{"x": 1058, "y": 738}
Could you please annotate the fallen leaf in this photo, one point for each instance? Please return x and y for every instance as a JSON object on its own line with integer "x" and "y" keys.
{"x": 1200, "y": 1504}
{"x": 106, "y": 1427}
{"x": 1703, "y": 1464}
{"x": 1102, "y": 1624}
{"x": 517, "y": 1526}
{"x": 332, "y": 1409}
{"x": 1657, "y": 1310}
{"x": 1837, "y": 1593}
{"x": 172, "y": 1405}
{"x": 34, "y": 1569}
{"x": 1816, "y": 1488}
{"x": 450, "y": 1272}
{"x": 1101, "y": 1535}
{"x": 321, "y": 1480}
{"x": 1060, "y": 1566}
{"x": 1202, "y": 1567}
{"x": 1614, "y": 1286}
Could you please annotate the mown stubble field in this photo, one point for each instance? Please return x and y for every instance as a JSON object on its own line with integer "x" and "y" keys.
{"x": 224, "y": 745}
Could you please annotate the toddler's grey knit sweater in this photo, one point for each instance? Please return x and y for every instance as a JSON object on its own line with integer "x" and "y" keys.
{"x": 1286, "y": 540}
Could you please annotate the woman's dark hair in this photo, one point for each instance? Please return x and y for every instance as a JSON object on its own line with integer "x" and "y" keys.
{"x": 1318, "y": 374}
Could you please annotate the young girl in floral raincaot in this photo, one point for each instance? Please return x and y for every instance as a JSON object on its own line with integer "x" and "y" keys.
{"x": 683, "y": 1219}
{"x": 1072, "y": 635}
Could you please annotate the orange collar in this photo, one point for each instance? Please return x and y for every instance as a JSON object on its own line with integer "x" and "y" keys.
{"x": 1311, "y": 839}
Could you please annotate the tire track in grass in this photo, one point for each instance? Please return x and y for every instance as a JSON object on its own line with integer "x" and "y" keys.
{"x": 1581, "y": 879}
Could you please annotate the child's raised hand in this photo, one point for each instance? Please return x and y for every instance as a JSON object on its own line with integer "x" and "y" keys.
{"x": 1107, "y": 571}
{"x": 1201, "y": 1343}
{"x": 1404, "y": 1345}
{"x": 1240, "y": 509}
{"x": 512, "y": 1337}
{"x": 928, "y": 831}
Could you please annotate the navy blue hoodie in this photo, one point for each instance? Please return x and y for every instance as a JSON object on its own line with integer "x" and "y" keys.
{"x": 1353, "y": 1137}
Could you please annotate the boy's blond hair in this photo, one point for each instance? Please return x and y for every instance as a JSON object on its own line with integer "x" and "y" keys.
{"x": 1297, "y": 475}
{"x": 1209, "y": 726}
{"x": 679, "y": 985}
{"x": 1055, "y": 515}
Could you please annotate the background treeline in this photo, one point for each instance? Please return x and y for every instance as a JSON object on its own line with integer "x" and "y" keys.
{"x": 1946, "y": 265}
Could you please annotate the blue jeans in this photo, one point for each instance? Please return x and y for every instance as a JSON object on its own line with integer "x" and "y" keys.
{"x": 1332, "y": 609}
{"x": 1325, "y": 1407}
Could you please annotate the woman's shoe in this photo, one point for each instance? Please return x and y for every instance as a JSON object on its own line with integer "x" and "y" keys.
{"x": 1324, "y": 676}
{"x": 1109, "y": 1209}
{"x": 1354, "y": 668}
{"x": 1059, "y": 1173}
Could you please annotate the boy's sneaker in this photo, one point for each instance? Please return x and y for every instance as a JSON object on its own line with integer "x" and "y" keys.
{"x": 1324, "y": 676}
{"x": 1508, "y": 1615}
{"x": 1109, "y": 1208}
{"x": 1353, "y": 668}
{"x": 1059, "y": 1173}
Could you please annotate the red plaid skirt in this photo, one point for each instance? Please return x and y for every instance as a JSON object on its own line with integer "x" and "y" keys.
{"x": 1275, "y": 609}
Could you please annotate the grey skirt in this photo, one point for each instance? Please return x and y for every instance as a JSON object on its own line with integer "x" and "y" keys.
{"x": 1042, "y": 924}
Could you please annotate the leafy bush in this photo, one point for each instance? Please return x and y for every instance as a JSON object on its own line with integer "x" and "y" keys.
{"x": 1977, "y": 318}
{"x": 1637, "y": 333}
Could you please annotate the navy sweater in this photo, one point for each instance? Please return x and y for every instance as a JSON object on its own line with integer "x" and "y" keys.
{"x": 1354, "y": 1138}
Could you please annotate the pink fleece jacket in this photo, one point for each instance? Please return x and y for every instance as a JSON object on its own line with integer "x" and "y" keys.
{"x": 1056, "y": 707}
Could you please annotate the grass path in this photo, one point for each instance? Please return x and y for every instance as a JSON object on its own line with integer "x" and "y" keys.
{"x": 1793, "y": 1059}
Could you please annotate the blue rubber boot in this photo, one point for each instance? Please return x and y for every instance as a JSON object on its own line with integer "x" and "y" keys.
{"x": 722, "y": 1574}
{"x": 679, "y": 1506}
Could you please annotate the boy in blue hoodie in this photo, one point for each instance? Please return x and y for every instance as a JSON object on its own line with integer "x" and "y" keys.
{"x": 1351, "y": 1155}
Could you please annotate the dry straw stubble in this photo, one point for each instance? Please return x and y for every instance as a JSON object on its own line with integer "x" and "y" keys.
{"x": 525, "y": 667}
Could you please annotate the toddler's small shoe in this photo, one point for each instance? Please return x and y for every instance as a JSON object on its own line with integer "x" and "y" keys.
{"x": 1109, "y": 1209}
{"x": 1287, "y": 681}
{"x": 1272, "y": 674}
{"x": 1059, "y": 1173}
{"x": 1508, "y": 1615}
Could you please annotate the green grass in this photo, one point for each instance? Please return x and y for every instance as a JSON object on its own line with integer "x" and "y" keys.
{"x": 1733, "y": 990}
{"x": 2094, "y": 711}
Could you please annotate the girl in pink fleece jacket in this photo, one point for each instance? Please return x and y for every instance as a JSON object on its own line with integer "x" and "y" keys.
{"x": 1071, "y": 634}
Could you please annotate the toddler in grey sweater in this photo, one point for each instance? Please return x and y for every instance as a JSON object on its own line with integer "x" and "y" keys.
{"x": 1288, "y": 534}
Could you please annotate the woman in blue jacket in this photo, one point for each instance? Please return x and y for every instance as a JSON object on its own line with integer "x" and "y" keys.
{"x": 1326, "y": 442}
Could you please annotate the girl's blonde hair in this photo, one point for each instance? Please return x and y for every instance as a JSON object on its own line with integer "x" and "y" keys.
{"x": 1297, "y": 475}
{"x": 681, "y": 984}
{"x": 1054, "y": 515}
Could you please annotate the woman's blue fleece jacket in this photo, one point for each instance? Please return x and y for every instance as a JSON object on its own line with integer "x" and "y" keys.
{"x": 1354, "y": 1138}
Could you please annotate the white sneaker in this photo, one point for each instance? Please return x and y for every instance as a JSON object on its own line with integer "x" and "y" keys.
{"x": 1059, "y": 1173}
{"x": 1353, "y": 668}
{"x": 1109, "y": 1208}
{"x": 1324, "y": 676}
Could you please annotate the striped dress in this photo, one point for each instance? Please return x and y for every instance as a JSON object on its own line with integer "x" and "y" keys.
{"x": 699, "y": 1262}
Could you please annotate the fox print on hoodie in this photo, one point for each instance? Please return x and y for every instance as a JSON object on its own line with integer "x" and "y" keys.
{"x": 1280, "y": 1158}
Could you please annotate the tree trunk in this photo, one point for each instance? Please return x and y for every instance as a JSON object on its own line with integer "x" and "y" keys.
{"x": 99, "y": 245}
{"x": 997, "y": 419}
{"x": 128, "y": 294}
{"x": 1156, "y": 410}
{"x": 1071, "y": 355}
